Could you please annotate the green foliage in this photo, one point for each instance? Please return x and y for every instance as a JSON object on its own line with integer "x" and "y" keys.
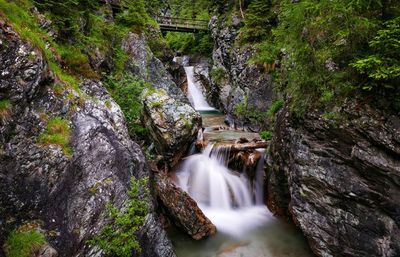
{"x": 65, "y": 14}
{"x": 119, "y": 236}
{"x": 382, "y": 65}
{"x": 57, "y": 132}
{"x": 27, "y": 27}
{"x": 266, "y": 135}
{"x": 127, "y": 92}
{"x": 274, "y": 108}
{"x": 325, "y": 49}
{"x": 134, "y": 15}
{"x": 23, "y": 243}
{"x": 258, "y": 20}
{"x": 189, "y": 43}
{"x": 218, "y": 75}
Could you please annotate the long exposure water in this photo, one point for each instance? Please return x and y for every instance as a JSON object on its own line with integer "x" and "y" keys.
{"x": 233, "y": 203}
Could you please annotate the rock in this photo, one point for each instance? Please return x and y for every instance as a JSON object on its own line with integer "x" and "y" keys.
{"x": 172, "y": 124}
{"x": 40, "y": 182}
{"x": 171, "y": 120}
{"x": 233, "y": 79}
{"x": 183, "y": 210}
{"x": 339, "y": 181}
{"x": 143, "y": 64}
{"x": 47, "y": 251}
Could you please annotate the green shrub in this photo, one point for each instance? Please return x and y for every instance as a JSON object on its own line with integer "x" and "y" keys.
{"x": 274, "y": 108}
{"x": 119, "y": 236}
{"x": 57, "y": 132}
{"x": 23, "y": 244}
{"x": 258, "y": 20}
{"x": 127, "y": 92}
{"x": 266, "y": 135}
{"x": 382, "y": 65}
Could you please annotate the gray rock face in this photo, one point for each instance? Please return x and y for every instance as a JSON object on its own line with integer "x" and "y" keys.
{"x": 237, "y": 80}
{"x": 39, "y": 182}
{"x": 145, "y": 65}
{"x": 339, "y": 183}
{"x": 173, "y": 124}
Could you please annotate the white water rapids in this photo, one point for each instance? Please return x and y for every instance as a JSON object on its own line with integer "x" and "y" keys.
{"x": 225, "y": 197}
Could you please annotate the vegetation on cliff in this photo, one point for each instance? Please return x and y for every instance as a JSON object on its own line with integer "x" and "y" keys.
{"x": 119, "y": 236}
{"x": 23, "y": 242}
{"x": 324, "y": 51}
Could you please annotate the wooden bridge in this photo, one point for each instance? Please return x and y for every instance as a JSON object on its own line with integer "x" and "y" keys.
{"x": 181, "y": 24}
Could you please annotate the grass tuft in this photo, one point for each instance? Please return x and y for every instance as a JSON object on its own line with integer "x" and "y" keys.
{"x": 57, "y": 132}
{"x": 23, "y": 244}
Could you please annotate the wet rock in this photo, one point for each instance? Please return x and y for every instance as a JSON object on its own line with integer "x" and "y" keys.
{"x": 40, "y": 182}
{"x": 339, "y": 180}
{"x": 182, "y": 209}
{"x": 172, "y": 124}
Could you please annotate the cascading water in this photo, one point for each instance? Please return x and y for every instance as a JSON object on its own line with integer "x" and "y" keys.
{"x": 195, "y": 93}
{"x": 225, "y": 197}
{"x": 233, "y": 202}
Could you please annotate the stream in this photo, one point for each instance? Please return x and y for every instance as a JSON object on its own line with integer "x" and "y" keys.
{"x": 233, "y": 203}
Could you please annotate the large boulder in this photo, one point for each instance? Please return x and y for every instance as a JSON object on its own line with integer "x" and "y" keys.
{"x": 182, "y": 209}
{"x": 339, "y": 179}
{"x": 66, "y": 187}
{"x": 173, "y": 124}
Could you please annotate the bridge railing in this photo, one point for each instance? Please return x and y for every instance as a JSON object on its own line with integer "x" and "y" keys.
{"x": 182, "y": 22}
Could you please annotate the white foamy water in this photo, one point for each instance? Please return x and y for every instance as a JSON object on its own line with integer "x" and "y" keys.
{"x": 195, "y": 93}
{"x": 225, "y": 197}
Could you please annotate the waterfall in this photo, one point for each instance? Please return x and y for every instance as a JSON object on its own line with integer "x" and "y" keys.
{"x": 195, "y": 94}
{"x": 226, "y": 197}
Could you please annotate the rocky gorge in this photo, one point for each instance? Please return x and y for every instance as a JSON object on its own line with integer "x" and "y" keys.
{"x": 324, "y": 183}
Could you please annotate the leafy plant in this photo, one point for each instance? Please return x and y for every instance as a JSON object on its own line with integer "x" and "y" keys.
{"x": 266, "y": 135}
{"x": 127, "y": 92}
{"x": 57, "y": 132}
{"x": 23, "y": 243}
{"x": 119, "y": 236}
{"x": 382, "y": 66}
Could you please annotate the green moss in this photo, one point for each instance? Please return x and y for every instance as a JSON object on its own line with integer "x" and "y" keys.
{"x": 23, "y": 244}
{"x": 57, "y": 132}
{"x": 156, "y": 104}
{"x": 108, "y": 104}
